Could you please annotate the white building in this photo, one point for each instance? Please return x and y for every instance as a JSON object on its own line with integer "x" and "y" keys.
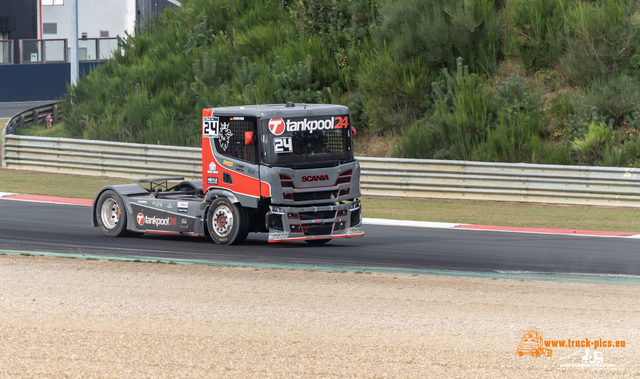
{"x": 96, "y": 19}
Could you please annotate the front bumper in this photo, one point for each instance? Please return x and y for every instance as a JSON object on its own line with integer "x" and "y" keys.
{"x": 287, "y": 223}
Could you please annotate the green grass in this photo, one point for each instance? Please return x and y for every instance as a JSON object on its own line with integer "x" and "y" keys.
{"x": 459, "y": 211}
{"x": 39, "y": 130}
{"x": 84, "y": 187}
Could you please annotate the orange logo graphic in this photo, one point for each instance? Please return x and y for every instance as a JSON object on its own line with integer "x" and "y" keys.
{"x": 532, "y": 344}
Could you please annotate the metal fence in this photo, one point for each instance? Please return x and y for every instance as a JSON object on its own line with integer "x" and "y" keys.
{"x": 413, "y": 178}
{"x": 521, "y": 182}
{"x": 99, "y": 158}
{"x": 29, "y": 117}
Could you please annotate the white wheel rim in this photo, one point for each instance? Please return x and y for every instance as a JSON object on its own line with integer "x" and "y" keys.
{"x": 222, "y": 221}
{"x": 110, "y": 213}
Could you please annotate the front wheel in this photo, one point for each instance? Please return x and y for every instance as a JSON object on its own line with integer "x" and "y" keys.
{"x": 111, "y": 214}
{"x": 228, "y": 223}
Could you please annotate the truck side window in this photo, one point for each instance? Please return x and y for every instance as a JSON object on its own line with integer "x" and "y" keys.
{"x": 230, "y": 141}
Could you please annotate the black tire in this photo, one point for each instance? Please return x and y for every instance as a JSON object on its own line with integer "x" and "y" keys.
{"x": 227, "y": 223}
{"x": 111, "y": 215}
{"x": 318, "y": 242}
{"x": 245, "y": 226}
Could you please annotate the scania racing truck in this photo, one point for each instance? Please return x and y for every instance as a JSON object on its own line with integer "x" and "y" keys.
{"x": 284, "y": 169}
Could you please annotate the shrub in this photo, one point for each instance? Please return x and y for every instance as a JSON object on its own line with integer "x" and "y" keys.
{"x": 392, "y": 90}
{"x": 534, "y": 31}
{"x": 439, "y": 31}
{"x": 518, "y": 132}
{"x": 614, "y": 99}
{"x": 463, "y": 112}
{"x": 591, "y": 148}
{"x": 601, "y": 39}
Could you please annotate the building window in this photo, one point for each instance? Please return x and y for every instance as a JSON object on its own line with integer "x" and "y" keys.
{"x": 49, "y": 28}
{"x": 104, "y": 34}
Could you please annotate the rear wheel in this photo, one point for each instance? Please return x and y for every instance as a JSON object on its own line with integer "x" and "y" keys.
{"x": 227, "y": 223}
{"x": 111, "y": 214}
{"x": 318, "y": 242}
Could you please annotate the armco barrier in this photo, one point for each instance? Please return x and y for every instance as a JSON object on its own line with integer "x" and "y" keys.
{"x": 31, "y": 116}
{"x": 585, "y": 185}
{"x": 521, "y": 182}
{"x": 99, "y": 158}
{"x": 413, "y": 178}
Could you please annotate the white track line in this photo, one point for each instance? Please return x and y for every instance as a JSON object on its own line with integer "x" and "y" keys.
{"x": 417, "y": 224}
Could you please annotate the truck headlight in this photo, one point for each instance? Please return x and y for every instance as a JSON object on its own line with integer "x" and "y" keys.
{"x": 355, "y": 205}
{"x": 277, "y": 210}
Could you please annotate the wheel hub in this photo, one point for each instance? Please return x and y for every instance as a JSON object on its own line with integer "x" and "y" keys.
{"x": 110, "y": 213}
{"x": 223, "y": 220}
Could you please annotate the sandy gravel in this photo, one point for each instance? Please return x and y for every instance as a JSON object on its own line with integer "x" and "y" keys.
{"x": 70, "y": 318}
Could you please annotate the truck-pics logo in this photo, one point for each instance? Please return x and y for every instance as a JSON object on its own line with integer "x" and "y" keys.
{"x": 142, "y": 220}
{"x": 315, "y": 178}
{"x": 532, "y": 344}
{"x": 276, "y": 126}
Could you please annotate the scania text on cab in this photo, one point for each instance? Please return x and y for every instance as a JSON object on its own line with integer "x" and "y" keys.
{"x": 284, "y": 169}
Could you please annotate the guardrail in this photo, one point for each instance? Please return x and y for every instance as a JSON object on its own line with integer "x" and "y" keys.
{"x": 521, "y": 182}
{"x": 99, "y": 158}
{"x": 30, "y": 116}
{"x": 584, "y": 185}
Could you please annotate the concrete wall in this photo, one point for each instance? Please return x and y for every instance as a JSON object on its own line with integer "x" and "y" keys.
{"x": 38, "y": 81}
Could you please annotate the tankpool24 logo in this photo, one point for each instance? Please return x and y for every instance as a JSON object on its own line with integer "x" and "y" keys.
{"x": 157, "y": 221}
{"x": 277, "y": 126}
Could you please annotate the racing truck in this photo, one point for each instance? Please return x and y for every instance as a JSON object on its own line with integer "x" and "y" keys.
{"x": 283, "y": 169}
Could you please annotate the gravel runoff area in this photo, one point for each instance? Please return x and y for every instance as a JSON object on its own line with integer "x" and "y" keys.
{"x": 72, "y": 318}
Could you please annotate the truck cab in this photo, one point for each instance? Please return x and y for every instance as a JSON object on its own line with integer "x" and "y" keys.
{"x": 291, "y": 166}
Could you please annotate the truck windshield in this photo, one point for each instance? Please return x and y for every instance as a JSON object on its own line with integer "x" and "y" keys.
{"x": 309, "y": 140}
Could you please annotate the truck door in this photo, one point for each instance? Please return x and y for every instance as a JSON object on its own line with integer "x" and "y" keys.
{"x": 232, "y": 159}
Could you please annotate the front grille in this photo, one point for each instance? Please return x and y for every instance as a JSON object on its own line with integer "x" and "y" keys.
{"x": 319, "y": 195}
{"x": 345, "y": 177}
{"x": 355, "y": 217}
{"x": 317, "y": 229}
{"x": 317, "y": 215}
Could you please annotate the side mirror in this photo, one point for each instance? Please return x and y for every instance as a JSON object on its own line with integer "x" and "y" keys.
{"x": 248, "y": 138}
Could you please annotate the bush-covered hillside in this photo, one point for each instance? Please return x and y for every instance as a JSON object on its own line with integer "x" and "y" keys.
{"x": 543, "y": 81}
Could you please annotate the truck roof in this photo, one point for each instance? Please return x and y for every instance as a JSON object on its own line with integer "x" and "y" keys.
{"x": 282, "y": 110}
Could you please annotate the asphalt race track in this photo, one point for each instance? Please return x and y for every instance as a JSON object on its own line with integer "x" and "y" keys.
{"x": 38, "y": 227}
{"x": 11, "y": 109}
